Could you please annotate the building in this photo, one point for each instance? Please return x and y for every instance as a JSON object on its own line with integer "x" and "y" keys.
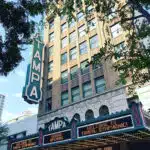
{"x": 20, "y": 127}
{"x": 2, "y": 99}
{"x": 80, "y": 106}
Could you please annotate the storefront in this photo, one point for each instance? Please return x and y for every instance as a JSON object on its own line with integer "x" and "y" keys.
{"x": 112, "y": 132}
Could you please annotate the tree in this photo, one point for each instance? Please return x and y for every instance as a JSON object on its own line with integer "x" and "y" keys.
{"x": 14, "y": 18}
{"x": 133, "y": 15}
{"x": 3, "y": 132}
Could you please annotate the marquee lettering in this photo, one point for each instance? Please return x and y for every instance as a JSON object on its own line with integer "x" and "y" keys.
{"x": 102, "y": 127}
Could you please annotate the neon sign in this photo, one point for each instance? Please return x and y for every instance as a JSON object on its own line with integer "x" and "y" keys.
{"x": 32, "y": 91}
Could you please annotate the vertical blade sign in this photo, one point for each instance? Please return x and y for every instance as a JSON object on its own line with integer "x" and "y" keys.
{"x": 32, "y": 91}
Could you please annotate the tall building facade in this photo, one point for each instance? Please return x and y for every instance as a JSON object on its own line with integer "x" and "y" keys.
{"x": 80, "y": 105}
{"x": 2, "y": 100}
{"x": 68, "y": 80}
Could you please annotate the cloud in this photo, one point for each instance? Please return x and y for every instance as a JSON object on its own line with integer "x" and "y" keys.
{"x": 34, "y": 110}
{"x": 3, "y": 80}
{"x": 18, "y": 95}
{"x": 6, "y": 116}
{"x": 21, "y": 73}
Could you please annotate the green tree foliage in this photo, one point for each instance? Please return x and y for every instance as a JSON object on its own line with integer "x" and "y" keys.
{"x": 3, "y": 133}
{"x": 14, "y": 18}
{"x": 133, "y": 15}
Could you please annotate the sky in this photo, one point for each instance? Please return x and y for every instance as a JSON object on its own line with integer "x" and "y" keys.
{"x": 12, "y": 85}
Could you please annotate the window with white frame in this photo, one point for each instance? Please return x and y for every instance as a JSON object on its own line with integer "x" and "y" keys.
{"x": 73, "y": 72}
{"x": 118, "y": 49}
{"x": 84, "y": 67}
{"x": 64, "y": 98}
{"x": 80, "y": 16}
{"x": 64, "y": 58}
{"x": 73, "y": 53}
{"x": 51, "y": 24}
{"x": 72, "y": 37}
{"x": 83, "y": 48}
{"x": 92, "y": 24}
{"x": 100, "y": 84}
{"x": 82, "y": 30}
{"x": 75, "y": 94}
{"x": 87, "y": 89}
{"x": 94, "y": 42}
{"x": 64, "y": 77}
{"x": 64, "y": 42}
{"x": 64, "y": 27}
{"x": 51, "y": 37}
{"x": 72, "y": 23}
{"x": 116, "y": 30}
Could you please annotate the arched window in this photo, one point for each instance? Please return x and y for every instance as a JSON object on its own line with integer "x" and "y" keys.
{"x": 89, "y": 114}
{"x": 103, "y": 110}
{"x": 77, "y": 117}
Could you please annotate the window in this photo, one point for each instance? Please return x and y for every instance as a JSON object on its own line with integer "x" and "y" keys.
{"x": 94, "y": 42}
{"x": 64, "y": 77}
{"x": 51, "y": 37}
{"x": 51, "y": 50}
{"x": 71, "y": 23}
{"x": 80, "y": 16}
{"x": 75, "y": 94}
{"x": 103, "y": 110}
{"x": 48, "y": 105}
{"x": 64, "y": 98}
{"x": 51, "y": 24}
{"x": 100, "y": 84}
{"x": 87, "y": 89}
{"x": 83, "y": 48}
{"x": 118, "y": 49}
{"x": 62, "y": 17}
{"x": 73, "y": 72}
{"x": 90, "y": 9}
{"x": 76, "y": 117}
{"x": 72, "y": 37}
{"x": 49, "y": 84}
{"x": 64, "y": 58}
{"x": 89, "y": 115}
{"x": 50, "y": 66}
{"x": 64, "y": 27}
{"x": 92, "y": 24}
{"x": 64, "y": 42}
{"x": 96, "y": 66}
{"x": 73, "y": 53}
{"x": 116, "y": 30}
{"x": 82, "y": 31}
{"x": 84, "y": 67}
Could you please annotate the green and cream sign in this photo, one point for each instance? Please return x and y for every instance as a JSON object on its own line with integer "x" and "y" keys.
{"x": 32, "y": 91}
